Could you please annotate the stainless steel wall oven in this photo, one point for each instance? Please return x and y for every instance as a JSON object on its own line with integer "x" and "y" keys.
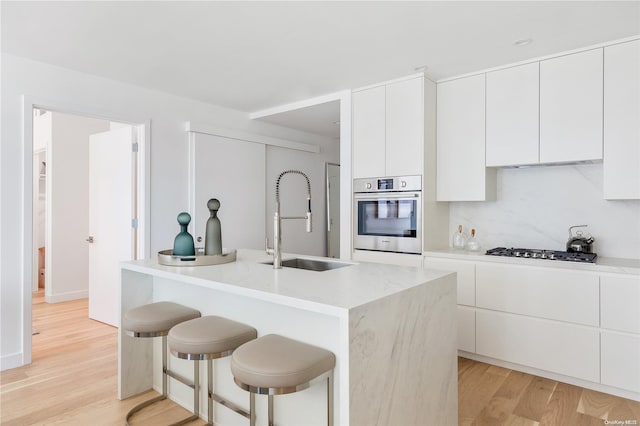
{"x": 387, "y": 214}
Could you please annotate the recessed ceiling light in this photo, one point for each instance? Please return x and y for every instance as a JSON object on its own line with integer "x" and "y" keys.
{"x": 523, "y": 42}
{"x": 422, "y": 68}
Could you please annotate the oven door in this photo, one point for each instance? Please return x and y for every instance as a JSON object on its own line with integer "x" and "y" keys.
{"x": 389, "y": 221}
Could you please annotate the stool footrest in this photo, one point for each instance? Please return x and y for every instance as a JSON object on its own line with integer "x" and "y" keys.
{"x": 230, "y": 405}
{"x": 180, "y": 378}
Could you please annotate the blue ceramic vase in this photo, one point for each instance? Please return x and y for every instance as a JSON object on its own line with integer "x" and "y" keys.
{"x": 183, "y": 244}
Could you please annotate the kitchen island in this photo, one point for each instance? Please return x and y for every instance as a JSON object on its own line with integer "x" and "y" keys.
{"x": 392, "y": 329}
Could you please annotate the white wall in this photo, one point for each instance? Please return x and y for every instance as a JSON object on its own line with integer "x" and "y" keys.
{"x": 68, "y": 201}
{"x": 48, "y": 85}
{"x": 293, "y": 196}
{"x": 535, "y": 207}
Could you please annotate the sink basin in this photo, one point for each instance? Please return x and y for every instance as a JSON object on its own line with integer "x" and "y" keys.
{"x": 311, "y": 264}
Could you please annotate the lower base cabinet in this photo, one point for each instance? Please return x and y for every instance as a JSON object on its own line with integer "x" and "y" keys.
{"x": 548, "y": 345}
{"x": 466, "y": 329}
{"x": 620, "y": 361}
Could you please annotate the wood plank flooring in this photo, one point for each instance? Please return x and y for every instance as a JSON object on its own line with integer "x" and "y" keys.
{"x": 72, "y": 381}
{"x": 490, "y": 395}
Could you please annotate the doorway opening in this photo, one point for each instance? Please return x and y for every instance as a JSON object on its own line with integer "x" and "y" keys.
{"x": 329, "y": 117}
{"x": 89, "y": 205}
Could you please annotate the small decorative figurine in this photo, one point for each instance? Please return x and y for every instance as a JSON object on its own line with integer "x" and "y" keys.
{"x": 183, "y": 244}
{"x": 213, "y": 233}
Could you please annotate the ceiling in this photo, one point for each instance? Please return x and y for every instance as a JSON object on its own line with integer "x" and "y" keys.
{"x": 255, "y": 55}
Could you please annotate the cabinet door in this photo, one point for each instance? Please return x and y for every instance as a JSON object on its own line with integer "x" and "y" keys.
{"x": 621, "y": 361}
{"x": 466, "y": 276}
{"x": 368, "y": 115}
{"x": 571, "y": 107}
{"x": 551, "y": 293}
{"x": 512, "y": 115}
{"x": 620, "y": 302}
{"x": 466, "y": 329}
{"x": 404, "y": 128}
{"x": 622, "y": 121}
{"x": 548, "y": 345}
{"x": 461, "y": 172}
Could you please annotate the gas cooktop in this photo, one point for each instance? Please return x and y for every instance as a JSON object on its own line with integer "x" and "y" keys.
{"x": 543, "y": 254}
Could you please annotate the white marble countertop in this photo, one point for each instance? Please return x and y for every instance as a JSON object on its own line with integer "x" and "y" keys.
{"x": 603, "y": 264}
{"x": 331, "y": 292}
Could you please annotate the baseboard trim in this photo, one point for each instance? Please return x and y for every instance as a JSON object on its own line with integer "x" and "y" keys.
{"x": 553, "y": 376}
{"x": 65, "y": 297}
{"x": 10, "y": 361}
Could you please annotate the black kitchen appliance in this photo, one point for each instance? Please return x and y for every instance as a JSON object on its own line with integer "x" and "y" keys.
{"x": 543, "y": 254}
{"x": 579, "y": 242}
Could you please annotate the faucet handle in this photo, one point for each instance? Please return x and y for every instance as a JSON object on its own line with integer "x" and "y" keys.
{"x": 268, "y": 249}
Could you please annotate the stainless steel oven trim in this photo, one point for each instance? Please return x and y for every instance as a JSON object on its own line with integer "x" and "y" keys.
{"x": 410, "y": 195}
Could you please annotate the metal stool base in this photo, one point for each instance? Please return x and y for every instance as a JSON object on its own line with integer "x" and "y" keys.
{"x": 165, "y": 374}
{"x": 270, "y": 392}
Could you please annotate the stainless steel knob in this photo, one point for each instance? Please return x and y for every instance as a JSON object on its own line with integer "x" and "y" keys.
{"x": 89, "y": 239}
{"x": 403, "y": 183}
{"x": 368, "y": 186}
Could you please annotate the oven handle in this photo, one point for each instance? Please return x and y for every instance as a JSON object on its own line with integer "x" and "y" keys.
{"x": 386, "y": 195}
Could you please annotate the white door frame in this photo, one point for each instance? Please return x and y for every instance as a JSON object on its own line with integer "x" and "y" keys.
{"x": 29, "y": 271}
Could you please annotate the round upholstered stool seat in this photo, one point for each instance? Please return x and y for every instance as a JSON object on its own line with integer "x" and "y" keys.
{"x": 279, "y": 364}
{"x": 275, "y": 365}
{"x": 208, "y": 337}
{"x": 156, "y": 319}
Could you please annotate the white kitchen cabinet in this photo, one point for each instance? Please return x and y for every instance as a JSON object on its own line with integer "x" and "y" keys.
{"x": 404, "y": 128}
{"x": 622, "y": 121}
{"x": 461, "y": 171}
{"x": 466, "y": 276}
{"x": 548, "y": 345}
{"x": 512, "y": 115}
{"x": 620, "y": 361}
{"x": 558, "y": 294}
{"x": 368, "y": 121}
{"x": 571, "y": 107}
{"x": 466, "y": 329}
{"x": 620, "y": 302}
{"x": 388, "y": 129}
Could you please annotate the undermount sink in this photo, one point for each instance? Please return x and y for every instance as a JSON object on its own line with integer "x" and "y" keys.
{"x": 311, "y": 264}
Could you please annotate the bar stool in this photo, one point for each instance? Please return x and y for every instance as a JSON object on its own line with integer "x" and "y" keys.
{"x": 209, "y": 338}
{"x": 153, "y": 320}
{"x": 275, "y": 365}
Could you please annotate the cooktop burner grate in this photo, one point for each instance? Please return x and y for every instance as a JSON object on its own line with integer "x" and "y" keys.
{"x": 543, "y": 254}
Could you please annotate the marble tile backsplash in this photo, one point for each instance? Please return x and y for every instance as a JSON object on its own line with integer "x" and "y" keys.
{"x": 536, "y": 205}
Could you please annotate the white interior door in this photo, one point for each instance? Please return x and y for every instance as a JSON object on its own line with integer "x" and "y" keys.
{"x": 111, "y": 183}
{"x": 333, "y": 210}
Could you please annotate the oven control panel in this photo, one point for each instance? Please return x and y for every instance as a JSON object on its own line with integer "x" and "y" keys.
{"x": 388, "y": 184}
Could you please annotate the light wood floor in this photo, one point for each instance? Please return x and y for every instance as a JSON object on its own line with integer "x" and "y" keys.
{"x": 72, "y": 381}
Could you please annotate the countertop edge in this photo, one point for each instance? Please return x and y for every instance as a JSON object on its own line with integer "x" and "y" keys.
{"x": 336, "y": 311}
{"x": 603, "y": 264}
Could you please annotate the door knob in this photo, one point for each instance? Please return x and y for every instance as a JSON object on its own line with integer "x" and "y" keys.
{"x": 90, "y": 239}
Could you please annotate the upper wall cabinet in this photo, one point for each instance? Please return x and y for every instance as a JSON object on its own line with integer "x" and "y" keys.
{"x": 512, "y": 115}
{"x": 388, "y": 129}
{"x": 571, "y": 104}
{"x": 368, "y": 121}
{"x": 461, "y": 171}
{"x": 404, "y": 128}
{"x": 622, "y": 121}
